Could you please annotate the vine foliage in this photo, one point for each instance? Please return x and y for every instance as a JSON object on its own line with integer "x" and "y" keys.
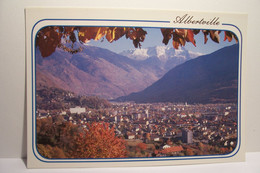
{"x": 51, "y": 37}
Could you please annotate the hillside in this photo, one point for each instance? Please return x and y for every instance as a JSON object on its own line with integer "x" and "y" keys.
{"x": 209, "y": 78}
{"x": 97, "y": 71}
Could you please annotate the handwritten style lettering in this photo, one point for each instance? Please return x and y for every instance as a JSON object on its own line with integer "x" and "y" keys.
{"x": 188, "y": 19}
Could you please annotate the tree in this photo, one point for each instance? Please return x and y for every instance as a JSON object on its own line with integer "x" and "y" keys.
{"x": 50, "y": 152}
{"x": 51, "y": 135}
{"x": 99, "y": 141}
{"x": 51, "y": 37}
{"x": 201, "y": 146}
{"x": 67, "y": 140}
{"x": 142, "y": 146}
{"x": 189, "y": 152}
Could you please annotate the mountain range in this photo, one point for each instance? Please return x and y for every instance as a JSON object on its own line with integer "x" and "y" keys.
{"x": 100, "y": 72}
{"x": 209, "y": 78}
{"x": 167, "y": 56}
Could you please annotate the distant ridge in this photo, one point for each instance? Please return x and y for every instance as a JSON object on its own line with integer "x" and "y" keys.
{"x": 100, "y": 72}
{"x": 209, "y": 78}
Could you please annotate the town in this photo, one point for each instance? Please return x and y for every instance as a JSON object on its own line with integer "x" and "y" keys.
{"x": 162, "y": 129}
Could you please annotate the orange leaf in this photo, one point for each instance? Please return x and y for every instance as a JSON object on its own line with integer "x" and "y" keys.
{"x": 228, "y": 36}
{"x": 109, "y": 34}
{"x": 175, "y": 44}
{"x": 190, "y": 37}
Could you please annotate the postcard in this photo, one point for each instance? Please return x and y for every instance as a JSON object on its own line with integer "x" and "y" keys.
{"x": 126, "y": 87}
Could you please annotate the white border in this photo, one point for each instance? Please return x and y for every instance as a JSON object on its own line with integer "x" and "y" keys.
{"x": 38, "y": 18}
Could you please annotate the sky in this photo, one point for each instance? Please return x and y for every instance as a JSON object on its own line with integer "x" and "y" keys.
{"x": 154, "y": 38}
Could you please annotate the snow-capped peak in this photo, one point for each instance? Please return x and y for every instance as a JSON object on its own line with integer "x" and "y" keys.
{"x": 160, "y": 50}
{"x": 178, "y": 51}
{"x": 163, "y": 53}
{"x": 136, "y": 54}
{"x": 141, "y": 52}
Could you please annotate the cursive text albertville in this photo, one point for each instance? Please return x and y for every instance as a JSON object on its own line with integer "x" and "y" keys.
{"x": 188, "y": 19}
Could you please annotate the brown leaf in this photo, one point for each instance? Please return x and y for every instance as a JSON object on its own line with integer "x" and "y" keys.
{"x": 181, "y": 32}
{"x": 109, "y": 34}
{"x": 177, "y": 40}
{"x": 137, "y": 35}
{"x": 196, "y": 31}
{"x": 68, "y": 29}
{"x": 88, "y": 33}
{"x": 214, "y": 35}
{"x": 205, "y": 32}
{"x": 141, "y": 34}
{"x": 115, "y": 33}
{"x": 119, "y": 32}
{"x": 47, "y": 40}
{"x": 72, "y": 37}
{"x": 167, "y": 35}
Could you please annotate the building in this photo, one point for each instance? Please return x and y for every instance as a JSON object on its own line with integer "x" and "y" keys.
{"x": 77, "y": 110}
{"x": 131, "y": 136}
{"x": 147, "y": 113}
{"x": 187, "y": 136}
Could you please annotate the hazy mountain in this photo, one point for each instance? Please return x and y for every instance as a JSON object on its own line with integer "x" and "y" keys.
{"x": 94, "y": 71}
{"x": 98, "y": 71}
{"x": 206, "y": 79}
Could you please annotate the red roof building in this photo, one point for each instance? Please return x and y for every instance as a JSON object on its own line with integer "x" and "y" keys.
{"x": 174, "y": 150}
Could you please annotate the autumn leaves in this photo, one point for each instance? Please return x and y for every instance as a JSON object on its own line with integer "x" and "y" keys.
{"x": 111, "y": 34}
{"x": 47, "y": 39}
{"x": 59, "y": 139}
{"x": 179, "y": 36}
{"x": 51, "y": 37}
